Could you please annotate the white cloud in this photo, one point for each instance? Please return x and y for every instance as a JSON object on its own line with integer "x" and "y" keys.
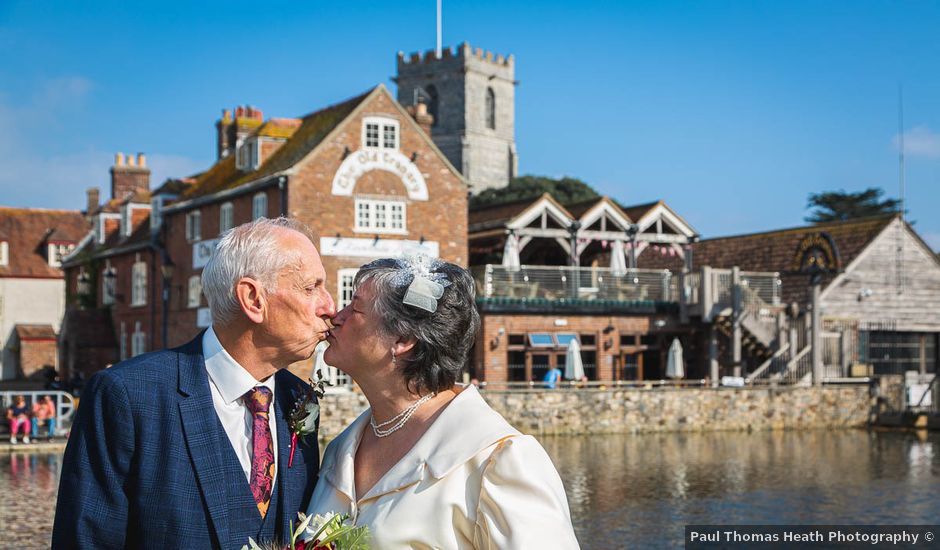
{"x": 920, "y": 142}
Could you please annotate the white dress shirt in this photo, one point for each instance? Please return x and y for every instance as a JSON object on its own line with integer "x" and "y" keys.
{"x": 474, "y": 481}
{"x": 228, "y": 382}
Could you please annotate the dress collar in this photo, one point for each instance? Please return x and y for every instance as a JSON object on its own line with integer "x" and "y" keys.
{"x": 464, "y": 428}
{"x": 229, "y": 377}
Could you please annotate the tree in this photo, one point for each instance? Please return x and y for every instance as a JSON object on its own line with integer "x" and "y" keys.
{"x": 565, "y": 190}
{"x": 839, "y": 205}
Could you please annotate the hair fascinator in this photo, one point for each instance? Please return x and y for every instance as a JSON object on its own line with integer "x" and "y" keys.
{"x": 426, "y": 287}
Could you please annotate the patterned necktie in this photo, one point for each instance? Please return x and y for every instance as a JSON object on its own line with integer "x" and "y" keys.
{"x": 258, "y": 401}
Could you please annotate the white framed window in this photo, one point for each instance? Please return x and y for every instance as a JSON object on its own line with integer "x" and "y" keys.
{"x": 4, "y": 253}
{"x": 380, "y": 216}
{"x": 380, "y": 133}
{"x": 57, "y": 251}
{"x": 122, "y": 342}
{"x": 248, "y": 155}
{"x": 259, "y": 206}
{"x": 138, "y": 341}
{"x": 226, "y": 217}
{"x": 139, "y": 283}
{"x": 108, "y": 285}
{"x": 194, "y": 226}
{"x": 344, "y": 286}
{"x": 194, "y": 293}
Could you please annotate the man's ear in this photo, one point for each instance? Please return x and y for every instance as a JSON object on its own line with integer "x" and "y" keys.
{"x": 251, "y": 298}
{"x": 403, "y": 346}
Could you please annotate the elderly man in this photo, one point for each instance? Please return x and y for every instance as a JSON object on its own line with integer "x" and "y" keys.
{"x": 188, "y": 447}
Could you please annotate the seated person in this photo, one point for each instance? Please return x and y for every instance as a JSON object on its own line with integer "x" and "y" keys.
{"x": 18, "y": 415}
{"x": 44, "y": 414}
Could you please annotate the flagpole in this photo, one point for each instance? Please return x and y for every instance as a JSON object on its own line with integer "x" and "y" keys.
{"x": 439, "y": 29}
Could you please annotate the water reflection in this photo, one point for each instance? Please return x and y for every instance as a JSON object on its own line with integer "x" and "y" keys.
{"x": 28, "y": 483}
{"x": 640, "y": 491}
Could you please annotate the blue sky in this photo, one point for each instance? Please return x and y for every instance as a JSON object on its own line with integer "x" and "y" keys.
{"x": 732, "y": 112}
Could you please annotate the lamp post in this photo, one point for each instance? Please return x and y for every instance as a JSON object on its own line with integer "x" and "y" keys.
{"x": 631, "y": 234}
{"x": 575, "y": 260}
{"x": 167, "y": 270}
{"x": 83, "y": 288}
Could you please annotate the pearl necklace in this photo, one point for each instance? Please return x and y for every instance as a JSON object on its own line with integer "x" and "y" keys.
{"x": 399, "y": 420}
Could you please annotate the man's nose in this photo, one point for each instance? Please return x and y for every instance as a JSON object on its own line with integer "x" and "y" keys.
{"x": 327, "y": 307}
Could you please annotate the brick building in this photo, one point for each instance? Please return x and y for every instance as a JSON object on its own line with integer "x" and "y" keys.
{"x": 363, "y": 174}
{"x": 33, "y": 242}
{"x": 108, "y": 317}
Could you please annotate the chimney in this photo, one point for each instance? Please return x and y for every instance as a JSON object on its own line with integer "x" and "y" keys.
{"x": 225, "y": 135}
{"x": 421, "y": 115}
{"x": 129, "y": 175}
{"x": 93, "y": 201}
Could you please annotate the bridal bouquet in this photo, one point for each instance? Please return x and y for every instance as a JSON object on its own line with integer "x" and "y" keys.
{"x": 330, "y": 532}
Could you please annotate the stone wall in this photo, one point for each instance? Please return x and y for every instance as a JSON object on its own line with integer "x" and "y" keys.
{"x": 591, "y": 411}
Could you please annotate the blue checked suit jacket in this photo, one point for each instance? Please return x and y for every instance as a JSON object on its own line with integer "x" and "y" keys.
{"x": 143, "y": 467}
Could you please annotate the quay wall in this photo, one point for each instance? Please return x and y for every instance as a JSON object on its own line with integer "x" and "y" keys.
{"x": 634, "y": 410}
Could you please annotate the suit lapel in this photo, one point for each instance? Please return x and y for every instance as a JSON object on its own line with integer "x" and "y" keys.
{"x": 201, "y": 431}
{"x": 291, "y": 480}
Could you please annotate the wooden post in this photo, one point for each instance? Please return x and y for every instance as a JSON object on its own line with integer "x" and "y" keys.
{"x": 817, "y": 333}
{"x": 713, "y": 355}
{"x": 736, "y": 312}
{"x": 705, "y": 294}
{"x": 528, "y": 367}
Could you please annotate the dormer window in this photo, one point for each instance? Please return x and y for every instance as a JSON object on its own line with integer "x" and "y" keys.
{"x": 380, "y": 133}
{"x": 57, "y": 251}
{"x": 4, "y": 253}
{"x": 248, "y": 156}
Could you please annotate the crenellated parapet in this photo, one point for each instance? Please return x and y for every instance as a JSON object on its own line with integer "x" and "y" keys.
{"x": 463, "y": 51}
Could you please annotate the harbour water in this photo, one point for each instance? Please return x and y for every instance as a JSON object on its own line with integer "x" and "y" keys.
{"x": 639, "y": 491}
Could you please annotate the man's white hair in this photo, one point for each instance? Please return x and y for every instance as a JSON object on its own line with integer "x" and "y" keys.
{"x": 248, "y": 250}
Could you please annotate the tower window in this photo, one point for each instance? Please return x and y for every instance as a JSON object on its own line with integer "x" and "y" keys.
{"x": 433, "y": 104}
{"x": 490, "y": 109}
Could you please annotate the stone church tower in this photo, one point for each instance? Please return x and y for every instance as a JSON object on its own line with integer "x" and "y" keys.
{"x": 471, "y": 95}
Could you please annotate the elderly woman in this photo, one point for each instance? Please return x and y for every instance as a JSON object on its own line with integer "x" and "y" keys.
{"x": 430, "y": 464}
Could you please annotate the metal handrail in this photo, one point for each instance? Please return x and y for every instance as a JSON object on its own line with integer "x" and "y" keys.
{"x": 556, "y": 283}
{"x": 766, "y": 364}
{"x": 65, "y": 405}
{"x": 594, "y": 384}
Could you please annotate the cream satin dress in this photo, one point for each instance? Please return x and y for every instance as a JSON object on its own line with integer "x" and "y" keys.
{"x": 471, "y": 481}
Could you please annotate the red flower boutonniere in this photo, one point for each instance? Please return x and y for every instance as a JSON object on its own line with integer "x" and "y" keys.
{"x": 303, "y": 417}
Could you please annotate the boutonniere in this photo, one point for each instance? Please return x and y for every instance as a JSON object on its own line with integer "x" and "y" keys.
{"x": 303, "y": 417}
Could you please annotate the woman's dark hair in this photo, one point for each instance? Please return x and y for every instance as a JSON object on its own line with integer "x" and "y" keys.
{"x": 444, "y": 337}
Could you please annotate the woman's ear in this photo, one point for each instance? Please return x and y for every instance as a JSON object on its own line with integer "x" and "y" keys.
{"x": 403, "y": 346}
{"x": 250, "y": 296}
